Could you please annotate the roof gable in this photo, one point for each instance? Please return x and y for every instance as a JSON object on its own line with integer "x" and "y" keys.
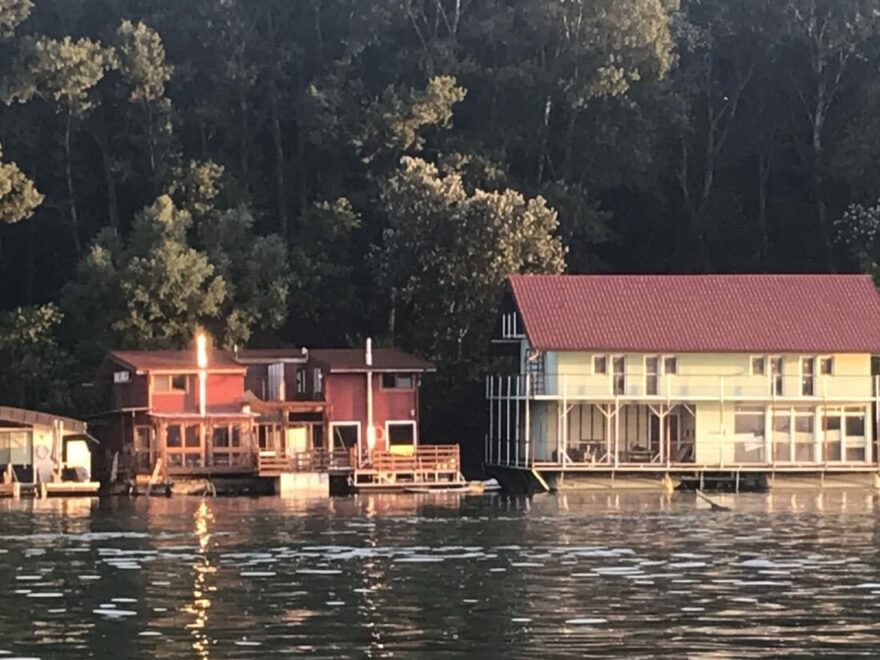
{"x": 171, "y": 361}
{"x": 354, "y": 360}
{"x": 700, "y": 313}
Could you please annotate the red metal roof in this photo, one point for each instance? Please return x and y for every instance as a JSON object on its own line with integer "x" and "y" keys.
{"x": 176, "y": 361}
{"x": 700, "y": 313}
{"x": 384, "y": 359}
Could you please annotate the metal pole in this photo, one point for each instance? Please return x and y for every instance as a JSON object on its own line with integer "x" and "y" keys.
{"x": 530, "y": 449}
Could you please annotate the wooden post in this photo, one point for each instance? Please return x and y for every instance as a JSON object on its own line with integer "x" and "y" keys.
{"x": 530, "y": 449}
{"x": 517, "y": 430}
{"x": 488, "y": 456}
{"x": 616, "y": 431}
{"x": 507, "y": 422}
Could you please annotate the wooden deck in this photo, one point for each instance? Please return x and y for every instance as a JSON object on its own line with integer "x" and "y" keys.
{"x": 696, "y": 468}
{"x": 429, "y": 466}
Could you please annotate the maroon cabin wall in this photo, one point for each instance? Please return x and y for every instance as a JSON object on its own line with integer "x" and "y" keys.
{"x": 224, "y": 389}
{"x": 347, "y": 396}
{"x": 132, "y": 394}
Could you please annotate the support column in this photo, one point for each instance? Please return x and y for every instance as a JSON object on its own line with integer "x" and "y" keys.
{"x": 768, "y": 434}
{"x": 529, "y": 448}
{"x": 818, "y": 436}
{"x": 869, "y": 433}
{"x": 616, "y": 432}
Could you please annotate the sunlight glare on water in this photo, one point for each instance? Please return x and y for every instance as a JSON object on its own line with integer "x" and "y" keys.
{"x": 426, "y": 575}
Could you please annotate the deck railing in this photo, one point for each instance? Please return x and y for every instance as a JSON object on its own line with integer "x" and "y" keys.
{"x": 315, "y": 460}
{"x": 684, "y": 387}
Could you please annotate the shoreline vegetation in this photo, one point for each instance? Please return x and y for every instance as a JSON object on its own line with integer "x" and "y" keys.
{"x": 291, "y": 173}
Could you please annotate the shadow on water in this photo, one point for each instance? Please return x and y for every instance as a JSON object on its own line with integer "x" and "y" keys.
{"x": 432, "y": 575}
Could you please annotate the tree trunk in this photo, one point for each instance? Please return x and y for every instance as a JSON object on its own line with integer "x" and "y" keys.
{"x": 542, "y": 147}
{"x": 279, "y": 163}
{"x": 568, "y": 167}
{"x": 109, "y": 178}
{"x": 71, "y": 198}
{"x": 244, "y": 139}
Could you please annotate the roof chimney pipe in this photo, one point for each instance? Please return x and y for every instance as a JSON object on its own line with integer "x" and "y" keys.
{"x": 369, "y": 355}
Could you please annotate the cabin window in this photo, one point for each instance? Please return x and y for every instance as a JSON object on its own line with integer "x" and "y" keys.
{"x": 759, "y": 365}
{"x": 808, "y": 374}
{"x": 826, "y": 366}
{"x": 401, "y": 433}
{"x": 170, "y": 383}
{"x": 172, "y": 437}
{"x": 300, "y": 381}
{"x": 397, "y": 382}
{"x": 15, "y": 448}
{"x": 600, "y": 364}
{"x": 670, "y": 364}
{"x": 318, "y": 380}
{"x": 749, "y": 430}
{"x": 652, "y": 370}
{"x": 220, "y": 436}
{"x": 345, "y": 435}
{"x": 192, "y": 438}
{"x": 618, "y": 366}
{"x": 776, "y": 376}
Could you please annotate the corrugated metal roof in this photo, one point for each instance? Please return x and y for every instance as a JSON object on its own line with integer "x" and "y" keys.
{"x": 700, "y": 313}
{"x": 384, "y": 359}
{"x": 37, "y": 418}
{"x": 175, "y": 361}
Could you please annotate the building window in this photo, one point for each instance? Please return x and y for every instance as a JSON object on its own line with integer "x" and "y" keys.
{"x": 759, "y": 366}
{"x": 776, "y": 376}
{"x": 808, "y": 375}
{"x": 300, "y": 381}
{"x": 170, "y": 383}
{"x": 192, "y": 438}
{"x": 600, "y": 364}
{"x": 397, "y": 382}
{"x": 652, "y": 368}
{"x": 172, "y": 437}
{"x": 318, "y": 380}
{"x": 749, "y": 430}
{"x": 826, "y": 366}
{"x": 401, "y": 433}
{"x": 220, "y": 437}
{"x": 618, "y": 367}
{"x": 345, "y": 434}
{"x": 670, "y": 364}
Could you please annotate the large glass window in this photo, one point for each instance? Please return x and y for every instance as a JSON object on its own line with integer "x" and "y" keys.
{"x": 776, "y": 376}
{"x": 749, "y": 430}
{"x": 397, "y": 382}
{"x": 192, "y": 435}
{"x": 804, "y": 437}
{"x": 15, "y": 448}
{"x": 618, "y": 366}
{"x": 808, "y": 370}
{"x": 759, "y": 365}
{"x": 600, "y": 364}
{"x": 833, "y": 436}
{"x": 782, "y": 435}
{"x": 220, "y": 437}
{"x": 652, "y": 368}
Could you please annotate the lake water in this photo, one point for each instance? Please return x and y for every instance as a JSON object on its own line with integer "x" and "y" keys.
{"x": 441, "y": 576}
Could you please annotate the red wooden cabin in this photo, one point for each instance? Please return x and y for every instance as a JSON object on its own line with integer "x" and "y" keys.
{"x": 256, "y": 404}
{"x": 160, "y": 409}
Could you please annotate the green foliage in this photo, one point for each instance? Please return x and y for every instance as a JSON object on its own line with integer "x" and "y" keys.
{"x": 12, "y": 13}
{"x": 18, "y": 195}
{"x": 446, "y": 253}
{"x": 37, "y": 369}
{"x": 142, "y": 62}
{"x": 61, "y": 71}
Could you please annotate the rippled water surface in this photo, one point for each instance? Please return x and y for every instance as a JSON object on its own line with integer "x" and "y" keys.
{"x": 441, "y": 575}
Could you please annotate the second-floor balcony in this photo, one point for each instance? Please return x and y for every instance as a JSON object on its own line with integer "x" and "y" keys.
{"x": 684, "y": 387}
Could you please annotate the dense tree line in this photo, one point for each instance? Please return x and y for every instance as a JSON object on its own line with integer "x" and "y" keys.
{"x": 318, "y": 171}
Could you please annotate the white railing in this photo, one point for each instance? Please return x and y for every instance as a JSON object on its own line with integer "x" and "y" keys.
{"x": 510, "y": 326}
{"x": 685, "y": 387}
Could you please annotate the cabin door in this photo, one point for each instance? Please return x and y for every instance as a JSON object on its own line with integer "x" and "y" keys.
{"x": 296, "y": 440}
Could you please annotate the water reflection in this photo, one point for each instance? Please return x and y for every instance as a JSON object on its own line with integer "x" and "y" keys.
{"x": 600, "y": 573}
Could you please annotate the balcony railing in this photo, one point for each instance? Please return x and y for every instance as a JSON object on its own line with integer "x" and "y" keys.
{"x": 683, "y": 387}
